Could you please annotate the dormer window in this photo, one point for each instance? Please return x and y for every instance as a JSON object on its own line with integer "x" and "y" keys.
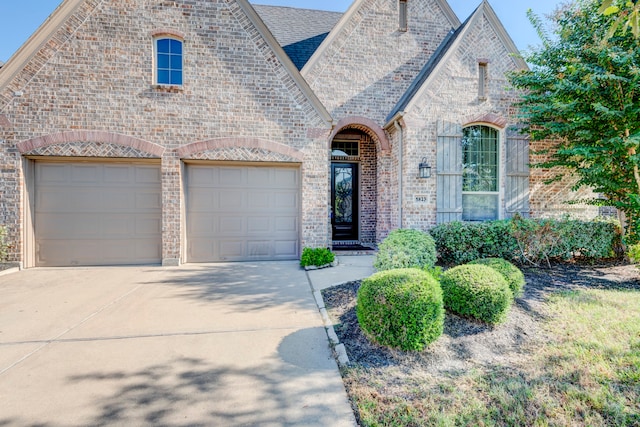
{"x": 402, "y": 15}
{"x": 168, "y": 55}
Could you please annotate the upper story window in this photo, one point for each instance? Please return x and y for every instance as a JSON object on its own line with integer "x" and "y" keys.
{"x": 168, "y": 52}
{"x": 480, "y": 191}
{"x": 402, "y": 15}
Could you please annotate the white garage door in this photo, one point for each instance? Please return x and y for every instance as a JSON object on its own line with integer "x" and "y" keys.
{"x": 242, "y": 213}
{"x": 97, "y": 214}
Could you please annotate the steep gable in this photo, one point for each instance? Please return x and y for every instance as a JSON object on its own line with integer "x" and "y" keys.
{"x": 482, "y": 37}
{"x": 366, "y": 63}
{"x": 98, "y": 34}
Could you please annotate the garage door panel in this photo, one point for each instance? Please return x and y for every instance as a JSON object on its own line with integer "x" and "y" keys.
{"x": 147, "y": 175}
{"x": 231, "y": 250}
{"x": 230, "y": 201}
{"x": 231, "y": 177}
{"x": 287, "y": 224}
{"x": 256, "y": 213}
{"x": 286, "y": 201}
{"x": 286, "y": 248}
{"x": 96, "y": 214}
{"x": 259, "y": 225}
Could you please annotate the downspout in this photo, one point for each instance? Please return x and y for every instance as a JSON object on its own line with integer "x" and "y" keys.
{"x": 398, "y": 126}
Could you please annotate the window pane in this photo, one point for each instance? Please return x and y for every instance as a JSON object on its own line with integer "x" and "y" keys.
{"x": 163, "y": 61}
{"x": 176, "y": 77}
{"x": 176, "y": 62}
{"x": 479, "y": 207}
{"x": 163, "y": 77}
{"x": 176, "y": 47}
{"x": 163, "y": 45}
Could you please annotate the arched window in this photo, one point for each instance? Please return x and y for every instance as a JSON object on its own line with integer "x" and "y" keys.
{"x": 168, "y": 54}
{"x": 480, "y": 173}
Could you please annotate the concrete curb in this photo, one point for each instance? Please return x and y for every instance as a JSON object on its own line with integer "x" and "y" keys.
{"x": 9, "y": 271}
{"x": 341, "y": 351}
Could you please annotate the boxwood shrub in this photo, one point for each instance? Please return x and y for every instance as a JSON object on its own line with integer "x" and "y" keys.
{"x": 405, "y": 248}
{"x": 511, "y": 273}
{"x": 401, "y": 308}
{"x": 317, "y": 257}
{"x": 3, "y": 244}
{"x": 476, "y": 291}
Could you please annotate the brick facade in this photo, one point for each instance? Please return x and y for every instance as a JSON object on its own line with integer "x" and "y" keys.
{"x": 88, "y": 92}
{"x": 95, "y": 77}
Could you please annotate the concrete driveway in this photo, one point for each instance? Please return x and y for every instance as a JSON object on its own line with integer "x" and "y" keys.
{"x": 221, "y": 344}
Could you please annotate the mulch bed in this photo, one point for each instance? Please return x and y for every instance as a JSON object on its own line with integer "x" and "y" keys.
{"x": 466, "y": 343}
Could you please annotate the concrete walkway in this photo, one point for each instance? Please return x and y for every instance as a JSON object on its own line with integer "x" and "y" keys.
{"x": 220, "y": 344}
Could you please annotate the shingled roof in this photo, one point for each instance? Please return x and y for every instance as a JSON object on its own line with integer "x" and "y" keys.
{"x": 299, "y": 31}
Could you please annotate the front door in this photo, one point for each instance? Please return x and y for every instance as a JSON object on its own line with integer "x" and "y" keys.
{"x": 344, "y": 201}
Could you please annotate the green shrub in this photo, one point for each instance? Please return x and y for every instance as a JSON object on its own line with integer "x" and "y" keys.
{"x": 406, "y": 249}
{"x": 3, "y": 244}
{"x": 511, "y": 273}
{"x": 316, "y": 257}
{"x": 523, "y": 240}
{"x": 460, "y": 242}
{"x": 477, "y": 291}
{"x": 401, "y": 308}
{"x": 633, "y": 252}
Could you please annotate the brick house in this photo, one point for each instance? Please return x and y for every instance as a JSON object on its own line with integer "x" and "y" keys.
{"x": 173, "y": 131}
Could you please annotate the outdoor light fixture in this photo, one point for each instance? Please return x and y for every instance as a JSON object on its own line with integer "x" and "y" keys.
{"x": 424, "y": 170}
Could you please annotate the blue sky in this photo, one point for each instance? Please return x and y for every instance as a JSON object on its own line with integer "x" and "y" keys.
{"x": 19, "y": 19}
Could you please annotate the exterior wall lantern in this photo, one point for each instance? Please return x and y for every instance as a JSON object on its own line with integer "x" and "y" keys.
{"x": 424, "y": 170}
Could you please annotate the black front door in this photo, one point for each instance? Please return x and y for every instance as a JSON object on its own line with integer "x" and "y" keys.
{"x": 344, "y": 201}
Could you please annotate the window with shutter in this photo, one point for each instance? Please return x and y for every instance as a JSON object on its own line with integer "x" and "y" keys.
{"x": 449, "y": 172}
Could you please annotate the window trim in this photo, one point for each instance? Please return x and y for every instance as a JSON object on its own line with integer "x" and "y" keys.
{"x": 403, "y": 16}
{"x": 156, "y": 39}
{"x": 500, "y": 164}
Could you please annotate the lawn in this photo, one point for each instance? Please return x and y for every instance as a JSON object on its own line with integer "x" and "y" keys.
{"x": 568, "y": 355}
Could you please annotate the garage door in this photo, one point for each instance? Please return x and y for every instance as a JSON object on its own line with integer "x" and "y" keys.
{"x": 97, "y": 214}
{"x": 242, "y": 213}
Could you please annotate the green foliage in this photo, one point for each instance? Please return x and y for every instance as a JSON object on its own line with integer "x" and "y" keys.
{"x": 316, "y": 257}
{"x": 522, "y": 240}
{"x": 3, "y": 244}
{"x": 406, "y": 249}
{"x": 583, "y": 91}
{"x": 460, "y": 242}
{"x": 633, "y": 252}
{"x": 476, "y": 291}
{"x": 401, "y": 308}
{"x": 511, "y": 273}
{"x": 626, "y": 13}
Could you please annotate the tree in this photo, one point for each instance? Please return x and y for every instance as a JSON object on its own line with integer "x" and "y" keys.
{"x": 627, "y": 15}
{"x": 583, "y": 91}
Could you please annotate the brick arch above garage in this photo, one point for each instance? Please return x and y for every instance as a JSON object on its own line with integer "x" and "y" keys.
{"x": 86, "y": 143}
{"x": 232, "y": 148}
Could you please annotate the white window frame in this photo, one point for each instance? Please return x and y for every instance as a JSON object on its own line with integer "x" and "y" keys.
{"x": 156, "y": 39}
{"x": 500, "y": 164}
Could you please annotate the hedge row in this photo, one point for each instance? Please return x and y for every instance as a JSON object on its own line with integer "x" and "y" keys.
{"x": 527, "y": 241}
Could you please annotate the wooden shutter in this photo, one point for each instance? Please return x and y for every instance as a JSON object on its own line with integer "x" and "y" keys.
{"x": 517, "y": 184}
{"x": 449, "y": 172}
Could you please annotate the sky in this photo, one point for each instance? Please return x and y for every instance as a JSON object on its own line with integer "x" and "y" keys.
{"x": 19, "y": 19}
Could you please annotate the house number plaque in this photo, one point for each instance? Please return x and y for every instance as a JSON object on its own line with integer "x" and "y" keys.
{"x": 422, "y": 198}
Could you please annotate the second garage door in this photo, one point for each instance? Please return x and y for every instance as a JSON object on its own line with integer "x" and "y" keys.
{"x": 242, "y": 213}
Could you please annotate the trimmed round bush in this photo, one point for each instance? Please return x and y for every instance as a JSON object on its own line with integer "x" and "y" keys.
{"x": 405, "y": 248}
{"x": 511, "y": 273}
{"x": 401, "y": 308}
{"x": 476, "y": 291}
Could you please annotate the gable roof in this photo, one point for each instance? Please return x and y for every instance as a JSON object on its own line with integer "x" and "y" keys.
{"x": 444, "y": 51}
{"x": 65, "y": 11}
{"x": 352, "y": 11}
{"x": 299, "y": 31}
